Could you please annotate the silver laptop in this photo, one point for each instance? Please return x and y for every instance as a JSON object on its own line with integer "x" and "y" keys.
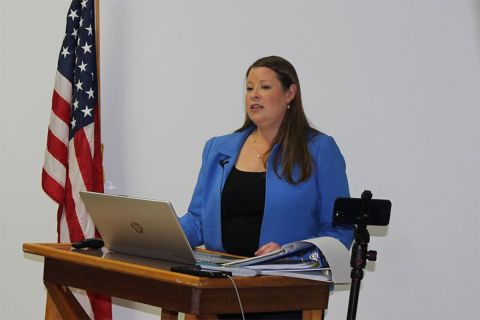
{"x": 142, "y": 227}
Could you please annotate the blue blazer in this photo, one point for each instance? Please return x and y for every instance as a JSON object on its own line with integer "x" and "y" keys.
{"x": 291, "y": 213}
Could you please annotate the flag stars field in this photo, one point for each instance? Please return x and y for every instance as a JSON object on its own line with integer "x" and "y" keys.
{"x": 73, "y": 14}
{"x": 86, "y": 48}
{"x": 79, "y": 85}
{"x": 87, "y": 112}
{"x": 65, "y": 52}
{"x": 83, "y": 66}
{"x": 90, "y": 93}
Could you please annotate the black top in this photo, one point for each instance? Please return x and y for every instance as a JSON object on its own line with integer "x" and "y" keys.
{"x": 243, "y": 201}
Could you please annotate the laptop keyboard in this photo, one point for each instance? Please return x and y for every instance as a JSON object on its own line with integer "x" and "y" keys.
{"x": 212, "y": 258}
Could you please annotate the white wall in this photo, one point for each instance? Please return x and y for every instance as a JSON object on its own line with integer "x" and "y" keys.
{"x": 395, "y": 82}
{"x": 30, "y": 37}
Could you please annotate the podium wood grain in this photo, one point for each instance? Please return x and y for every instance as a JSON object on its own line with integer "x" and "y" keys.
{"x": 198, "y": 297}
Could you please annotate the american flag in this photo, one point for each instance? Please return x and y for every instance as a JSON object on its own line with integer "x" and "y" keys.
{"x": 73, "y": 159}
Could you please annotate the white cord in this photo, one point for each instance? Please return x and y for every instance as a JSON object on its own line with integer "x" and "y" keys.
{"x": 238, "y": 296}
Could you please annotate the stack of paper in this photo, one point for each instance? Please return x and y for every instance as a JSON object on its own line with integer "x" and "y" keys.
{"x": 322, "y": 259}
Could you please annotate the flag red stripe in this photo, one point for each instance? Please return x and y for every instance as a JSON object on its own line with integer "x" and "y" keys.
{"x": 57, "y": 149}
{"x": 98, "y": 156}
{"x": 84, "y": 158}
{"x": 59, "y": 217}
{"x": 75, "y": 230}
{"x": 60, "y": 107}
{"x": 101, "y": 305}
{"x": 52, "y": 187}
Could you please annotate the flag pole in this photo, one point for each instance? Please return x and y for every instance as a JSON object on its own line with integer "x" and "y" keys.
{"x": 99, "y": 91}
{"x": 97, "y": 46}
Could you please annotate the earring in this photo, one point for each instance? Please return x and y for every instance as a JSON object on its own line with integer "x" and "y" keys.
{"x": 288, "y": 106}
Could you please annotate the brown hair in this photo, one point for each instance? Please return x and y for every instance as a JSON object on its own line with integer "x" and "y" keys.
{"x": 294, "y": 129}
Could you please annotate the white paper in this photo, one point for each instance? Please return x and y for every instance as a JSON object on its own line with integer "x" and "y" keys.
{"x": 335, "y": 253}
{"x": 237, "y": 272}
{"x": 337, "y": 256}
{"x": 302, "y": 274}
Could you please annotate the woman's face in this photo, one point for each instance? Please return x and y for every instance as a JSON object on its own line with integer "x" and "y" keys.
{"x": 266, "y": 100}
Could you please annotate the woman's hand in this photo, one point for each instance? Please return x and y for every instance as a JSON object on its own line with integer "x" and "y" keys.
{"x": 267, "y": 248}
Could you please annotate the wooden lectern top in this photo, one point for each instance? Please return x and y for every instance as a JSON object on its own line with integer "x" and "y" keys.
{"x": 154, "y": 284}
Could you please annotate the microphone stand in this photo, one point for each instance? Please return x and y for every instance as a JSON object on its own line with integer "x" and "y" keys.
{"x": 360, "y": 255}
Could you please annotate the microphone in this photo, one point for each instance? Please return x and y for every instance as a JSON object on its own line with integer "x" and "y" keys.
{"x": 223, "y": 162}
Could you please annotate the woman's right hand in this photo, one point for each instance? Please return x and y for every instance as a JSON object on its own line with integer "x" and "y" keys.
{"x": 267, "y": 248}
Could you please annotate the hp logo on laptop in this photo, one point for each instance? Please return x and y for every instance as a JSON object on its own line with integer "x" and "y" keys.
{"x": 136, "y": 227}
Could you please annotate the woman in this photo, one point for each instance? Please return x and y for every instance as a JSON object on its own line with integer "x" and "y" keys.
{"x": 274, "y": 180}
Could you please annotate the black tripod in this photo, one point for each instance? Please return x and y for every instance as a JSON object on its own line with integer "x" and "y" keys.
{"x": 360, "y": 254}
{"x": 362, "y": 212}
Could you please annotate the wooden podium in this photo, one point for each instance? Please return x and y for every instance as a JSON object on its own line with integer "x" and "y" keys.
{"x": 197, "y": 297}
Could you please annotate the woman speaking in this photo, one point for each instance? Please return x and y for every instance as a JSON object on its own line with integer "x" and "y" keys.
{"x": 271, "y": 182}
